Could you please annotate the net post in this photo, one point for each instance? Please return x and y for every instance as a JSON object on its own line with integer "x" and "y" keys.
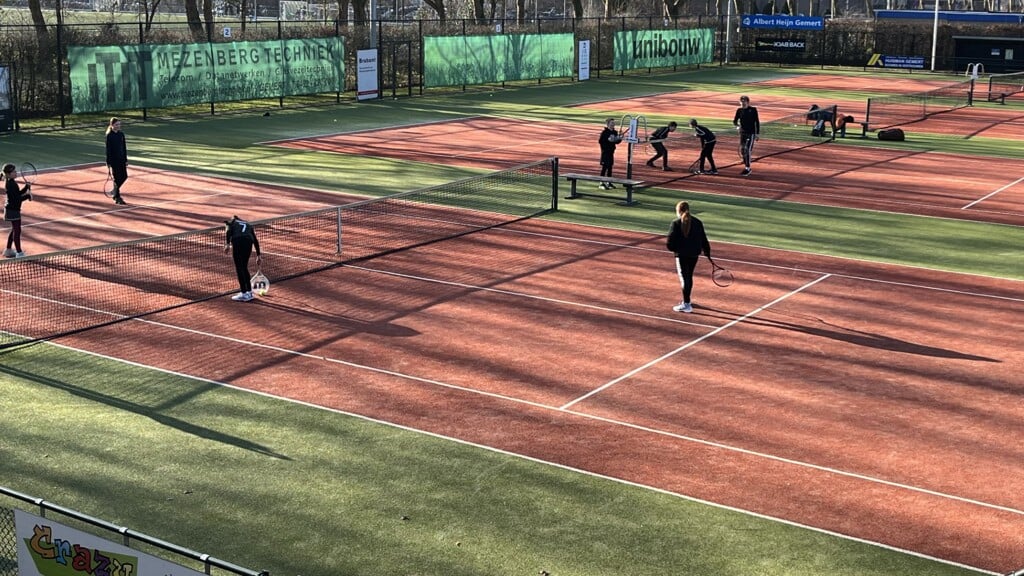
{"x": 970, "y": 92}
{"x": 554, "y": 183}
{"x": 867, "y": 114}
{"x": 338, "y": 230}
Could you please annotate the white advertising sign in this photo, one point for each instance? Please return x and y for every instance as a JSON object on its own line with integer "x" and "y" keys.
{"x": 366, "y": 75}
{"x": 584, "y": 68}
{"x": 48, "y": 548}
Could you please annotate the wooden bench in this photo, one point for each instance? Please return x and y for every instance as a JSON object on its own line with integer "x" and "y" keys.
{"x": 626, "y": 184}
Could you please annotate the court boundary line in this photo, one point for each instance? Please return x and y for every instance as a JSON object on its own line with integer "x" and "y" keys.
{"x": 534, "y": 459}
{"x": 778, "y": 266}
{"x": 987, "y": 196}
{"x": 515, "y": 400}
{"x": 691, "y": 343}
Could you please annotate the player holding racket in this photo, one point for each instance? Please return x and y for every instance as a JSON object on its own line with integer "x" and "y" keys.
{"x": 12, "y": 210}
{"x": 686, "y": 237}
{"x": 240, "y": 238}
{"x": 117, "y": 158}
{"x": 707, "y": 147}
{"x": 747, "y": 122}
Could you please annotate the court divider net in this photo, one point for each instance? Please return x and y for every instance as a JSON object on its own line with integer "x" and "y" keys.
{"x": 62, "y": 293}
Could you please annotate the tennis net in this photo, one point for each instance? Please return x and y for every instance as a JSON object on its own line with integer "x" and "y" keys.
{"x": 1002, "y": 85}
{"x": 796, "y": 131}
{"x": 62, "y": 293}
{"x": 887, "y": 111}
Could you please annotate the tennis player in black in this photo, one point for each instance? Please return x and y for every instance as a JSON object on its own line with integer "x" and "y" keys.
{"x": 12, "y": 210}
{"x": 240, "y": 237}
{"x": 117, "y": 157}
{"x": 686, "y": 237}
{"x": 608, "y": 140}
{"x": 749, "y": 125}
{"x": 707, "y": 147}
{"x": 658, "y": 143}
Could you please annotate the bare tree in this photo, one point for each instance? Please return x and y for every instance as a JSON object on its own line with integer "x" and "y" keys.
{"x": 438, "y": 7}
{"x": 208, "y": 16}
{"x": 36, "y": 10}
{"x": 577, "y": 9}
{"x": 192, "y": 16}
{"x": 614, "y": 7}
{"x": 149, "y": 8}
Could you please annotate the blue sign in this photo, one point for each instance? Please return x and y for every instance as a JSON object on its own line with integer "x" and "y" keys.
{"x": 782, "y": 21}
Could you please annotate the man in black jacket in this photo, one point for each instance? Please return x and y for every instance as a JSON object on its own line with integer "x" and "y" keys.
{"x": 658, "y": 143}
{"x": 749, "y": 125}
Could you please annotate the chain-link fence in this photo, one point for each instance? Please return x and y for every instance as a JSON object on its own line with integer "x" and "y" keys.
{"x": 41, "y": 85}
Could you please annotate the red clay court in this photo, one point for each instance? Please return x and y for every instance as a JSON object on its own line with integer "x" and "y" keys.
{"x": 794, "y": 393}
{"x": 877, "y": 178}
{"x": 873, "y": 401}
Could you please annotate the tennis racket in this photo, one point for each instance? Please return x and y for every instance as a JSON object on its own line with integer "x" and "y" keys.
{"x": 28, "y": 174}
{"x": 260, "y": 283}
{"x": 720, "y": 276}
{"x": 108, "y": 186}
{"x": 695, "y": 167}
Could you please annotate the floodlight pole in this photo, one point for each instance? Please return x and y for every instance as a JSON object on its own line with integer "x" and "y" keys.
{"x": 728, "y": 29}
{"x": 935, "y": 33}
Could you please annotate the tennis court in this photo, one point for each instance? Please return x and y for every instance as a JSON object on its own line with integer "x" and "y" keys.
{"x": 877, "y": 178}
{"x": 875, "y": 401}
{"x": 794, "y": 393}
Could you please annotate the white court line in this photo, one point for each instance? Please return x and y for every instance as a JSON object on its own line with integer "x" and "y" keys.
{"x": 560, "y": 466}
{"x": 986, "y": 197}
{"x": 779, "y": 267}
{"x": 693, "y": 342}
{"x": 617, "y": 311}
{"x": 584, "y": 415}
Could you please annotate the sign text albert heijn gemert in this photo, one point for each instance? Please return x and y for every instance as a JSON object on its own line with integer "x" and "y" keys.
{"x": 782, "y": 21}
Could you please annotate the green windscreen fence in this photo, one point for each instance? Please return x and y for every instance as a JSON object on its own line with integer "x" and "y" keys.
{"x": 458, "y": 60}
{"x": 663, "y": 48}
{"x": 162, "y": 75}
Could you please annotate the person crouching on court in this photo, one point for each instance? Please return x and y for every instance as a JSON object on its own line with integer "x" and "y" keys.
{"x": 241, "y": 237}
{"x": 686, "y": 237}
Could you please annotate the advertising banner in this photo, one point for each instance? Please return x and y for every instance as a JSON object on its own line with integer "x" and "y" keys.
{"x": 367, "y": 87}
{"x": 48, "y": 548}
{"x": 161, "y": 75}
{"x": 663, "y": 48}
{"x": 457, "y": 60}
{"x": 884, "y": 61}
{"x": 584, "y": 64}
{"x": 780, "y": 45}
{"x": 782, "y": 21}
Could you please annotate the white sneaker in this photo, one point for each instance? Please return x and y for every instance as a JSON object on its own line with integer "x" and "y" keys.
{"x": 683, "y": 307}
{"x": 20, "y": 254}
{"x": 242, "y": 297}
{"x": 9, "y": 253}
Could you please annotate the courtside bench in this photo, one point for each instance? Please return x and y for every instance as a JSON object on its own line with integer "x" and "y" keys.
{"x": 626, "y": 184}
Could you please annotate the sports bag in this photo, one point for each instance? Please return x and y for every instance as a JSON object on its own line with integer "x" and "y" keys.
{"x": 891, "y": 134}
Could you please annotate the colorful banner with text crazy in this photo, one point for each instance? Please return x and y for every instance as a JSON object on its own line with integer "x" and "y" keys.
{"x": 48, "y": 548}
{"x": 663, "y": 48}
{"x": 161, "y": 75}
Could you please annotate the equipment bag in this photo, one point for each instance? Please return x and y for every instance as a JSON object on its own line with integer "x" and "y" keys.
{"x": 819, "y": 128}
{"x": 892, "y": 134}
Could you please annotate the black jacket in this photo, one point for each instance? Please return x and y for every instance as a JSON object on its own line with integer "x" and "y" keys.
{"x": 691, "y": 245}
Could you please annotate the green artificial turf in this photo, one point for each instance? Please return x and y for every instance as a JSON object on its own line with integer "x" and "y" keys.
{"x": 296, "y": 490}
